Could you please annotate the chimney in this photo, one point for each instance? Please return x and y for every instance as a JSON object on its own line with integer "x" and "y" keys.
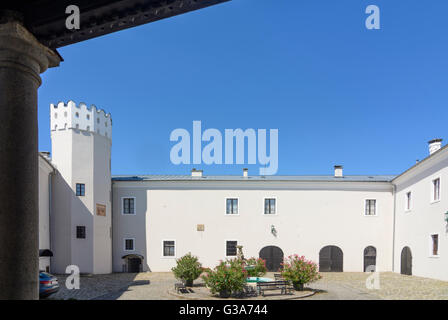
{"x": 245, "y": 172}
{"x": 434, "y": 145}
{"x": 338, "y": 171}
{"x": 196, "y": 173}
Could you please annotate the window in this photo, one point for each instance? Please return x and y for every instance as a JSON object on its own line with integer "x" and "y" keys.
{"x": 232, "y": 206}
{"x": 169, "y": 248}
{"x": 436, "y": 189}
{"x": 128, "y": 205}
{"x": 80, "y": 189}
{"x": 370, "y": 207}
{"x": 435, "y": 244}
{"x": 408, "y": 200}
{"x": 269, "y": 206}
{"x": 129, "y": 244}
{"x": 231, "y": 248}
{"x": 80, "y": 232}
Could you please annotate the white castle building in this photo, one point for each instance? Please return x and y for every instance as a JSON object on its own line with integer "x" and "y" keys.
{"x": 105, "y": 223}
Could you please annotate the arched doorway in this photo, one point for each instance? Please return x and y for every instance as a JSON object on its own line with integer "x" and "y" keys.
{"x": 406, "y": 261}
{"x": 369, "y": 258}
{"x": 133, "y": 263}
{"x": 331, "y": 259}
{"x": 273, "y": 256}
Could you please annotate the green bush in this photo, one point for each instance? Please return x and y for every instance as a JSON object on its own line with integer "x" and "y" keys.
{"x": 228, "y": 277}
{"x": 299, "y": 271}
{"x": 188, "y": 269}
{"x": 255, "y": 267}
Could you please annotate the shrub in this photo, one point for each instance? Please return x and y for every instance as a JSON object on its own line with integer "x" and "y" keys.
{"x": 259, "y": 267}
{"x": 299, "y": 271}
{"x": 188, "y": 269}
{"x": 228, "y": 277}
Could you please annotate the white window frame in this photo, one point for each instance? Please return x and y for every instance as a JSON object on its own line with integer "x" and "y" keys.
{"x": 376, "y": 207}
{"x": 133, "y": 244}
{"x": 163, "y": 249}
{"x": 406, "y": 208}
{"x": 225, "y": 248}
{"x": 431, "y": 255}
{"x": 122, "y": 206}
{"x": 432, "y": 190}
{"x": 225, "y": 207}
{"x": 276, "y": 207}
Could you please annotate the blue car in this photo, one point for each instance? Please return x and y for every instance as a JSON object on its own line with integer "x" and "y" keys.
{"x": 48, "y": 284}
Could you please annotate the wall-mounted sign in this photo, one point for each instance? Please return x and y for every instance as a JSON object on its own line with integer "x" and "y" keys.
{"x": 200, "y": 227}
{"x": 100, "y": 210}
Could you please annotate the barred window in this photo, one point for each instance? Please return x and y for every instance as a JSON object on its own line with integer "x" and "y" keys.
{"x": 370, "y": 207}
{"x": 231, "y": 248}
{"x": 80, "y": 189}
{"x": 169, "y": 248}
{"x": 128, "y": 205}
{"x": 80, "y": 232}
{"x": 232, "y": 206}
{"x": 269, "y": 206}
{"x": 129, "y": 244}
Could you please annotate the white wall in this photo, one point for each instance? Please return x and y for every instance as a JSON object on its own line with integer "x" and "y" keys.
{"x": 81, "y": 142}
{"x": 415, "y": 227}
{"x": 309, "y": 217}
{"x": 45, "y": 171}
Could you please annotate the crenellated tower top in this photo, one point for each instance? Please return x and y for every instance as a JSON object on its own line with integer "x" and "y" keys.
{"x": 80, "y": 117}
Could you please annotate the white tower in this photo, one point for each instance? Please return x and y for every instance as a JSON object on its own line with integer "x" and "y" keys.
{"x": 81, "y": 220}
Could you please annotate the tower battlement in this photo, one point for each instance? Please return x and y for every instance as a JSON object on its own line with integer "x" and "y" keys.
{"x": 80, "y": 117}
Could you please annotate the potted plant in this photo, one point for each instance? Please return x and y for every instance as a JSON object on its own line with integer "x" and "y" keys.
{"x": 226, "y": 278}
{"x": 299, "y": 271}
{"x": 187, "y": 269}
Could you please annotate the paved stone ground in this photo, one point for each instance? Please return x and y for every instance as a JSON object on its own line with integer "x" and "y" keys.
{"x": 333, "y": 286}
{"x": 352, "y": 285}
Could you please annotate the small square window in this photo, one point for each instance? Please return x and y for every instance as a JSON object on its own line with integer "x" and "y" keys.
{"x": 128, "y": 205}
{"x": 80, "y": 232}
{"x": 269, "y": 206}
{"x": 232, "y": 206}
{"x": 129, "y": 244}
{"x": 80, "y": 189}
{"x": 231, "y": 248}
{"x": 169, "y": 249}
{"x": 435, "y": 244}
{"x": 370, "y": 207}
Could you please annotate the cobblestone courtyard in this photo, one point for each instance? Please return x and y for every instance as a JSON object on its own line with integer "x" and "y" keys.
{"x": 348, "y": 285}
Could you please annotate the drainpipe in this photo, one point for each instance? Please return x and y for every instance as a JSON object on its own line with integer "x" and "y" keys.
{"x": 393, "y": 227}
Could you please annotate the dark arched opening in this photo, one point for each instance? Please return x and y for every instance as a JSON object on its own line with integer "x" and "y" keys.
{"x": 406, "y": 261}
{"x": 331, "y": 259}
{"x": 273, "y": 256}
{"x": 370, "y": 259}
{"x": 133, "y": 263}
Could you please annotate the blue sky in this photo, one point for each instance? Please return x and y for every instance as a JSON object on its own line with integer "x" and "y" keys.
{"x": 337, "y": 92}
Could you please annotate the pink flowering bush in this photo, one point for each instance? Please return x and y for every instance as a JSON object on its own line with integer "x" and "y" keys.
{"x": 299, "y": 271}
{"x": 226, "y": 278}
{"x": 255, "y": 267}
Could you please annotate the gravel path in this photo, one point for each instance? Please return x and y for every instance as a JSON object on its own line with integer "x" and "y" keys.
{"x": 332, "y": 286}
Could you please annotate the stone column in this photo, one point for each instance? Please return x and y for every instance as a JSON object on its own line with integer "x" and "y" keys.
{"x": 22, "y": 59}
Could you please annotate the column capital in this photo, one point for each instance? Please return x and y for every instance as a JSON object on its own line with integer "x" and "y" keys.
{"x": 21, "y": 50}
